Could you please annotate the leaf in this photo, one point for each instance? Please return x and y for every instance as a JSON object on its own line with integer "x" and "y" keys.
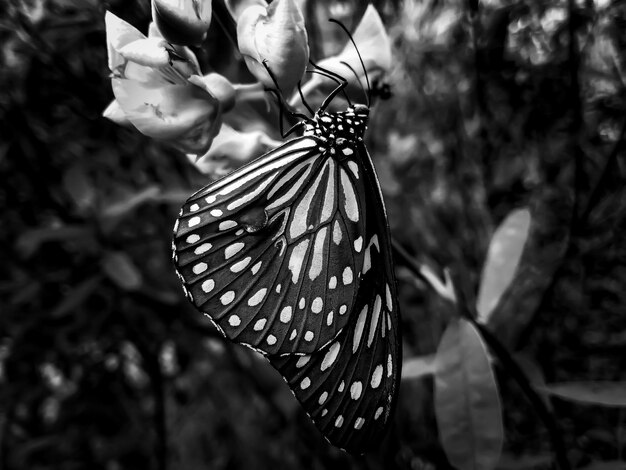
{"x": 418, "y": 367}
{"x": 121, "y": 270}
{"x": 503, "y": 256}
{"x": 467, "y": 405}
{"x": 601, "y": 393}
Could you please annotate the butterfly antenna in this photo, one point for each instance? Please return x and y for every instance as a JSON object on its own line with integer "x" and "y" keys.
{"x": 358, "y": 80}
{"x": 333, "y": 76}
{"x": 367, "y": 80}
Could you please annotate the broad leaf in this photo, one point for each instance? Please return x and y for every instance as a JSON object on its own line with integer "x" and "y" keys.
{"x": 505, "y": 251}
{"x": 602, "y": 393}
{"x": 467, "y": 405}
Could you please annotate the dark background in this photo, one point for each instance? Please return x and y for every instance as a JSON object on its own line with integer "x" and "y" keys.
{"x": 104, "y": 365}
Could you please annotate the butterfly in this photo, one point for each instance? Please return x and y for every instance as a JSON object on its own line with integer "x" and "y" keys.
{"x": 290, "y": 255}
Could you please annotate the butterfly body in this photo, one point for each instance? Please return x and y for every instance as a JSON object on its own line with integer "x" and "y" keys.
{"x": 290, "y": 255}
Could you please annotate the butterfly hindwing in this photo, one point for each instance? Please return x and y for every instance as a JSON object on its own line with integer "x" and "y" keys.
{"x": 348, "y": 387}
{"x": 268, "y": 252}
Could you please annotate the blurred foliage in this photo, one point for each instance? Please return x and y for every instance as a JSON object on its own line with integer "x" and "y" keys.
{"x": 497, "y": 105}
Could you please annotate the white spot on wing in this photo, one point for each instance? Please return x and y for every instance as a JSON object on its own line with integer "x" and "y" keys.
{"x": 323, "y": 398}
{"x": 271, "y": 340}
{"x": 329, "y": 318}
{"x": 293, "y": 335}
{"x": 389, "y": 365}
{"x": 328, "y": 208}
{"x": 208, "y": 285}
{"x": 199, "y": 268}
{"x": 226, "y": 225}
{"x": 379, "y": 411}
{"x": 374, "y": 322}
{"x": 216, "y": 213}
{"x": 358, "y": 244}
{"x": 260, "y": 324}
{"x": 303, "y": 361}
{"x": 210, "y": 199}
{"x": 285, "y": 314}
{"x": 330, "y": 356}
{"x": 377, "y": 376}
{"x": 256, "y": 267}
{"x": 193, "y": 238}
{"x": 317, "y": 261}
{"x": 202, "y": 248}
{"x": 342, "y": 385}
{"x": 240, "y": 265}
{"x": 388, "y": 298}
{"x": 234, "y": 320}
{"x": 306, "y": 382}
{"x": 354, "y": 168}
{"x": 358, "y": 423}
{"x": 317, "y": 305}
{"x": 228, "y": 297}
{"x": 358, "y": 330}
{"x": 350, "y": 203}
{"x": 232, "y": 250}
{"x": 194, "y": 207}
{"x": 309, "y": 335}
{"x": 355, "y": 390}
{"x": 194, "y": 221}
{"x": 343, "y": 309}
{"x": 339, "y": 421}
{"x": 257, "y": 298}
{"x": 347, "y": 276}
{"x": 296, "y": 260}
{"x": 337, "y": 233}
{"x": 332, "y": 283}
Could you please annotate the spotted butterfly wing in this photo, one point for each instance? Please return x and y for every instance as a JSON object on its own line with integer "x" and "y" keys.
{"x": 290, "y": 255}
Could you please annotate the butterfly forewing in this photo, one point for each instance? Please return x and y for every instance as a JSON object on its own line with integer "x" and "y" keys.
{"x": 268, "y": 252}
{"x": 291, "y": 255}
{"x": 348, "y": 387}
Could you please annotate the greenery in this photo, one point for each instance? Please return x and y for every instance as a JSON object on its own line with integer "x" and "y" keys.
{"x": 495, "y": 106}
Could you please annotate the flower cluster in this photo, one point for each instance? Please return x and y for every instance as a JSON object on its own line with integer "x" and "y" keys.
{"x": 160, "y": 90}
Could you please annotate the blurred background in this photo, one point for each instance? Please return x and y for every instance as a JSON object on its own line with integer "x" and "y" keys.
{"x": 495, "y": 105}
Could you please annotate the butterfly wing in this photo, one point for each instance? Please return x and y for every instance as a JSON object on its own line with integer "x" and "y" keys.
{"x": 348, "y": 388}
{"x": 270, "y": 252}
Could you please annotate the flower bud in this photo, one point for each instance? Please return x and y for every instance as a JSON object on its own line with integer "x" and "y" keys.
{"x": 183, "y": 22}
{"x": 276, "y": 35}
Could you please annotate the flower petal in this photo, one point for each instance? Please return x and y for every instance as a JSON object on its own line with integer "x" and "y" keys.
{"x": 115, "y": 113}
{"x": 231, "y": 149}
{"x": 276, "y": 35}
{"x": 183, "y": 22}
{"x": 151, "y": 52}
{"x": 170, "y": 112}
{"x": 219, "y": 87}
{"x": 119, "y": 34}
